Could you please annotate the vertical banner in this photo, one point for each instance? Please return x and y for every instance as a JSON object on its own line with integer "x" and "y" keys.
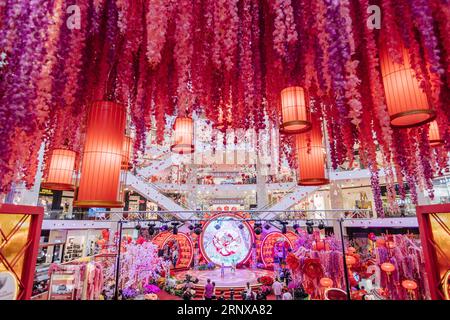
{"x": 434, "y": 226}
{"x": 20, "y": 230}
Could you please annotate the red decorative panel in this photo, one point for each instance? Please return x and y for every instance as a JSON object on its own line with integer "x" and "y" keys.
{"x": 20, "y": 230}
{"x": 434, "y": 226}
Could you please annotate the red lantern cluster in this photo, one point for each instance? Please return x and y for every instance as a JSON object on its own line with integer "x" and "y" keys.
{"x": 309, "y": 147}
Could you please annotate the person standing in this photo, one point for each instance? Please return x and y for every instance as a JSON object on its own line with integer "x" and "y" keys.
{"x": 209, "y": 290}
{"x": 222, "y": 295}
{"x": 232, "y": 294}
{"x": 287, "y": 295}
{"x": 277, "y": 288}
{"x": 175, "y": 257}
{"x": 248, "y": 293}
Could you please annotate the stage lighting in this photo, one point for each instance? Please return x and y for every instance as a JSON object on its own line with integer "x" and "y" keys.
{"x": 295, "y": 226}
{"x": 241, "y": 226}
{"x": 283, "y": 229}
{"x": 198, "y": 229}
{"x": 217, "y": 226}
{"x": 175, "y": 227}
{"x": 321, "y": 225}
{"x": 257, "y": 228}
{"x": 309, "y": 223}
{"x": 163, "y": 227}
{"x": 151, "y": 229}
{"x": 267, "y": 226}
{"x": 310, "y": 229}
{"x": 138, "y": 227}
{"x": 191, "y": 227}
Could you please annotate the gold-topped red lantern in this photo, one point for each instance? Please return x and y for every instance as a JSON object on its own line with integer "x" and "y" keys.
{"x": 60, "y": 171}
{"x": 183, "y": 136}
{"x": 295, "y": 110}
{"x": 388, "y": 267}
{"x": 406, "y": 102}
{"x": 102, "y": 158}
{"x": 326, "y": 282}
{"x": 127, "y": 151}
{"x": 311, "y": 158}
{"x": 433, "y": 135}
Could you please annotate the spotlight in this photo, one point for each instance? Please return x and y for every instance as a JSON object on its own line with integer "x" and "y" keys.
{"x": 321, "y": 225}
{"x": 241, "y": 226}
{"x": 310, "y": 229}
{"x": 296, "y": 226}
{"x": 309, "y": 223}
{"x": 164, "y": 227}
{"x": 151, "y": 229}
{"x": 267, "y": 226}
{"x": 217, "y": 226}
{"x": 257, "y": 228}
{"x": 198, "y": 229}
{"x": 191, "y": 227}
{"x": 175, "y": 227}
{"x": 283, "y": 227}
{"x": 138, "y": 227}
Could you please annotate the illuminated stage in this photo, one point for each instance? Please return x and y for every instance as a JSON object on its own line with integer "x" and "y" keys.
{"x": 231, "y": 280}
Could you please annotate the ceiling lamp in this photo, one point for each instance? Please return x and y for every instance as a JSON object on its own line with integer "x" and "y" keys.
{"x": 295, "y": 110}
{"x": 311, "y": 158}
{"x": 406, "y": 102}
{"x": 60, "y": 171}
{"x": 183, "y": 136}
{"x": 433, "y": 135}
{"x": 127, "y": 151}
{"x": 102, "y": 157}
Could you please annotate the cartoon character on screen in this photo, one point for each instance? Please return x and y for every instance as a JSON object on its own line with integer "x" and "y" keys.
{"x": 225, "y": 243}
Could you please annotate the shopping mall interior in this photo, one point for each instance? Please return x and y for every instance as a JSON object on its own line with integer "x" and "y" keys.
{"x": 224, "y": 150}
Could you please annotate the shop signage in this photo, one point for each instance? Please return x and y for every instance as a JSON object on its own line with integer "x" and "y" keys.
{"x": 62, "y": 286}
{"x": 8, "y": 286}
{"x": 227, "y": 201}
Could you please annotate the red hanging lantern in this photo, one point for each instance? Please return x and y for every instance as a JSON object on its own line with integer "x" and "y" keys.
{"x": 406, "y": 102}
{"x": 311, "y": 158}
{"x": 350, "y": 260}
{"x": 183, "y": 136}
{"x": 388, "y": 267}
{"x": 60, "y": 171}
{"x": 409, "y": 285}
{"x": 102, "y": 159}
{"x": 295, "y": 110}
{"x": 127, "y": 152}
{"x": 433, "y": 135}
{"x": 326, "y": 282}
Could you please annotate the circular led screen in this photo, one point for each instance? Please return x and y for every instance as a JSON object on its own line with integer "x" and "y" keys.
{"x": 226, "y": 241}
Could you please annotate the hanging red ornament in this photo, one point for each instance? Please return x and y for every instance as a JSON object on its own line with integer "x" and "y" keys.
{"x": 311, "y": 158}
{"x": 407, "y": 103}
{"x": 433, "y": 135}
{"x": 183, "y": 136}
{"x": 388, "y": 267}
{"x": 127, "y": 151}
{"x": 60, "y": 171}
{"x": 102, "y": 158}
{"x": 295, "y": 110}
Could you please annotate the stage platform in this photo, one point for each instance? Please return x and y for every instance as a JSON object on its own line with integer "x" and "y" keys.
{"x": 237, "y": 280}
